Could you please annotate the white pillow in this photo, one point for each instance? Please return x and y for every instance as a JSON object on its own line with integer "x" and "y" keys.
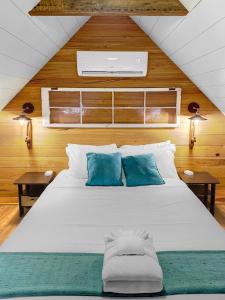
{"x": 148, "y": 146}
{"x": 78, "y": 159}
{"x": 164, "y": 159}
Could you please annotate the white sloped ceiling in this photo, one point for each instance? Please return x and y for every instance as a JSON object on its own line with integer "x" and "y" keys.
{"x": 196, "y": 43}
{"x": 27, "y": 43}
{"x": 189, "y": 4}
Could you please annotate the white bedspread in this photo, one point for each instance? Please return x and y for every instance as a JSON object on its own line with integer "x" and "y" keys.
{"x": 70, "y": 217}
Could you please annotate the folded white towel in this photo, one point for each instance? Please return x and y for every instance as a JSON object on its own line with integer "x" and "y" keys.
{"x": 127, "y": 245}
{"x": 130, "y": 232}
{"x": 131, "y": 264}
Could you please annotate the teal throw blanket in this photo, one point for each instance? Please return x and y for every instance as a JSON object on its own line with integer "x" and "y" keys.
{"x": 79, "y": 274}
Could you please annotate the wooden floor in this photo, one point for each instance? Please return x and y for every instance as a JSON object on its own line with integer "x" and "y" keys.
{"x": 220, "y": 208}
{"x": 9, "y": 216}
{"x": 9, "y": 219}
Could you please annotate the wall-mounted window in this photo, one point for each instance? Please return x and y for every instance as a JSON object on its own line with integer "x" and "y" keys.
{"x": 117, "y": 107}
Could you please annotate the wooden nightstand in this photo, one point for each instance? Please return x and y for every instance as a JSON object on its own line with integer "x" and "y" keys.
{"x": 30, "y": 187}
{"x": 199, "y": 184}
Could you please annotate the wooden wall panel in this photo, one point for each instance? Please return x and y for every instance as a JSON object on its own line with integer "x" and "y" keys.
{"x": 161, "y": 115}
{"x": 96, "y": 99}
{"x": 97, "y": 116}
{"x": 161, "y": 99}
{"x": 65, "y": 115}
{"x": 126, "y": 116}
{"x": 110, "y": 33}
{"x": 129, "y": 99}
{"x": 59, "y": 99}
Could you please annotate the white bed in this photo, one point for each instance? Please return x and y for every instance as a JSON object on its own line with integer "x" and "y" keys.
{"x": 70, "y": 217}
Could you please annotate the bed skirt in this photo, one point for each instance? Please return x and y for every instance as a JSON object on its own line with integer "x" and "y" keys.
{"x": 80, "y": 274}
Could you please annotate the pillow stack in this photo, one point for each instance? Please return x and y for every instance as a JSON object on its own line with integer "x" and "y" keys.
{"x": 142, "y": 165}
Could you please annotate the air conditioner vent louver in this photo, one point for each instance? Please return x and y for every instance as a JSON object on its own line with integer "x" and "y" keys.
{"x": 112, "y": 64}
{"x": 111, "y": 72}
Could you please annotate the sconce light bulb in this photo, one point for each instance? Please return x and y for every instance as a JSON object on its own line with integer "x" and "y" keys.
{"x": 196, "y": 122}
{"x": 22, "y": 122}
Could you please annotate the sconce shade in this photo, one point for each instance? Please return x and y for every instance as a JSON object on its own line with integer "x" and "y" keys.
{"x": 194, "y": 107}
{"x": 197, "y": 117}
{"x": 22, "y": 117}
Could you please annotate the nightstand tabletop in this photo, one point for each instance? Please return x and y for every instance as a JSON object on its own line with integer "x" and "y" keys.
{"x": 34, "y": 178}
{"x": 199, "y": 178}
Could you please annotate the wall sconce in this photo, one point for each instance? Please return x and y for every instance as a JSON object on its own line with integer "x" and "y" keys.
{"x": 27, "y": 108}
{"x": 194, "y": 108}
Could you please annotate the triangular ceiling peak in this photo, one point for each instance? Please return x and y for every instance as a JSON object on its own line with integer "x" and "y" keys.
{"x": 195, "y": 43}
{"x": 115, "y": 34}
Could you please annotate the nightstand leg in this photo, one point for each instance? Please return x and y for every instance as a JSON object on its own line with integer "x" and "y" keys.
{"x": 212, "y": 202}
{"x": 206, "y": 195}
{"x": 20, "y": 191}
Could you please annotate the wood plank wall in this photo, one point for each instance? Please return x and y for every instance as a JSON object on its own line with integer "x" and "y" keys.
{"x": 106, "y": 33}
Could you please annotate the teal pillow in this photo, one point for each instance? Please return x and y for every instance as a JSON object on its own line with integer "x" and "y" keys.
{"x": 104, "y": 169}
{"x": 141, "y": 170}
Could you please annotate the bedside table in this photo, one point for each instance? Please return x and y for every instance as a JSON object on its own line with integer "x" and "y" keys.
{"x": 30, "y": 186}
{"x": 199, "y": 184}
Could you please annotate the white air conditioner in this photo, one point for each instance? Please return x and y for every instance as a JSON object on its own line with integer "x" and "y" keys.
{"x": 112, "y": 64}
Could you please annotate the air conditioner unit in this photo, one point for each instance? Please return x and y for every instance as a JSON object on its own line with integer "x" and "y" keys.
{"x": 112, "y": 63}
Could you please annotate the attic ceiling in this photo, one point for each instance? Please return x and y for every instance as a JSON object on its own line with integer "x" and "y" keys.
{"x": 106, "y": 7}
{"x": 28, "y": 43}
{"x": 196, "y": 43}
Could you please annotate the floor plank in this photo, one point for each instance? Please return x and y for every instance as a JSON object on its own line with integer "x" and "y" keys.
{"x": 220, "y": 207}
{"x": 9, "y": 216}
{"x": 9, "y": 219}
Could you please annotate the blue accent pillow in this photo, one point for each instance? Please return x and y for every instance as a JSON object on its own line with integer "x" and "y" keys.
{"x": 104, "y": 169}
{"x": 141, "y": 170}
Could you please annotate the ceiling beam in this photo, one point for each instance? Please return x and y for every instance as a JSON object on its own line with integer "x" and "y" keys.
{"x": 109, "y": 7}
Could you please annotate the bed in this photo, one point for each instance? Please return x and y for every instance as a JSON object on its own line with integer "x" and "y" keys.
{"x": 71, "y": 217}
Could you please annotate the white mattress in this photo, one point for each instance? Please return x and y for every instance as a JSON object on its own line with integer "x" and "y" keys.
{"x": 70, "y": 217}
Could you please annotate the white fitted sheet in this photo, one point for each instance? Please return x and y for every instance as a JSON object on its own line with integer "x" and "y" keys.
{"x": 70, "y": 217}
